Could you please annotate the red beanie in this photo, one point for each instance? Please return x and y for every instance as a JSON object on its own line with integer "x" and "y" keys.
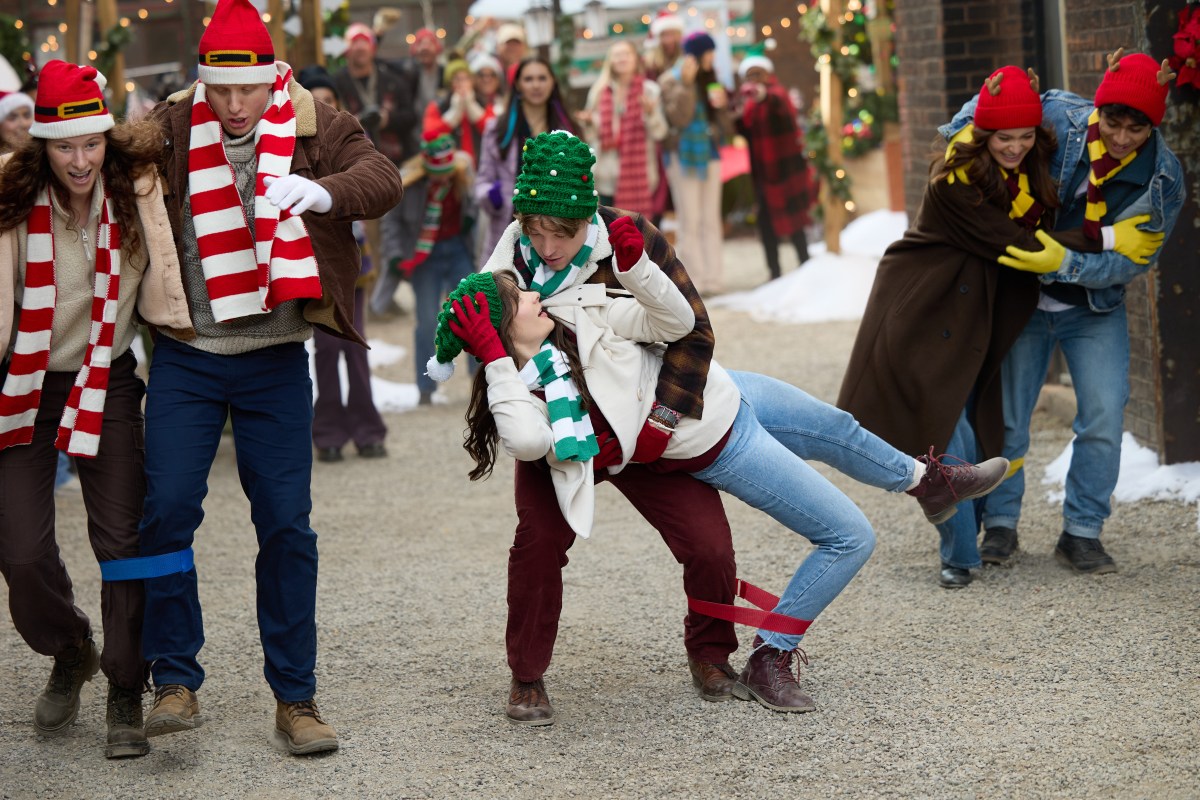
{"x": 70, "y": 102}
{"x": 426, "y": 33}
{"x": 235, "y": 47}
{"x": 1013, "y": 104}
{"x": 1134, "y": 82}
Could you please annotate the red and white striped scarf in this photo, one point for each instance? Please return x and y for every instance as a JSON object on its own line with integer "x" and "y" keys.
{"x": 79, "y": 428}
{"x": 629, "y": 140}
{"x": 248, "y": 275}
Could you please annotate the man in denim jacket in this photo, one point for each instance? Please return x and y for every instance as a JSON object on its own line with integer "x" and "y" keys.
{"x": 1112, "y": 164}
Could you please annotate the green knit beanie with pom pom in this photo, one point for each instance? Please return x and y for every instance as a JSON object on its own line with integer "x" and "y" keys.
{"x": 556, "y": 177}
{"x": 447, "y": 345}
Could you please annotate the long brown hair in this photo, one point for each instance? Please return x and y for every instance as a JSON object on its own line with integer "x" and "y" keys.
{"x": 984, "y": 173}
{"x": 130, "y": 149}
{"x": 481, "y": 435}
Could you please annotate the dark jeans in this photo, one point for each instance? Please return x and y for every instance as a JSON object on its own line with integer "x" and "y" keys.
{"x": 40, "y": 594}
{"x": 335, "y": 423}
{"x": 267, "y": 394}
{"x": 688, "y": 515}
{"x": 770, "y": 240}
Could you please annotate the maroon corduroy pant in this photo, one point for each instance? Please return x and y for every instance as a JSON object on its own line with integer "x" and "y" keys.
{"x": 686, "y": 512}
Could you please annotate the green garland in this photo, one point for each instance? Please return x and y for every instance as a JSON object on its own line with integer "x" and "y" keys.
{"x": 864, "y": 111}
{"x": 116, "y": 39}
{"x": 14, "y": 44}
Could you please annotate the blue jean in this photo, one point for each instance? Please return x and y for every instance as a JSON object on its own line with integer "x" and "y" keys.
{"x": 447, "y": 264}
{"x": 1096, "y": 347}
{"x": 762, "y": 464}
{"x": 960, "y": 533}
{"x": 267, "y": 394}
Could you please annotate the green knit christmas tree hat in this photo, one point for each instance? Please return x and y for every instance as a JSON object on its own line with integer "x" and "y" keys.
{"x": 447, "y": 344}
{"x": 556, "y": 177}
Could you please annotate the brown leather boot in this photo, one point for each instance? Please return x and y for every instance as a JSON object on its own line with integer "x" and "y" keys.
{"x": 715, "y": 681}
{"x": 768, "y": 679}
{"x": 125, "y": 735}
{"x": 528, "y": 703}
{"x": 58, "y": 704}
{"x": 175, "y": 709}
{"x": 302, "y": 729}
{"x": 944, "y": 486}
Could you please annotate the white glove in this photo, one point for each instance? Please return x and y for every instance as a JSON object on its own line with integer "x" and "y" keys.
{"x": 296, "y": 195}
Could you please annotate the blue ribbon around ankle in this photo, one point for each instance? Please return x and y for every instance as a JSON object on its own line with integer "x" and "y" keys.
{"x": 136, "y": 569}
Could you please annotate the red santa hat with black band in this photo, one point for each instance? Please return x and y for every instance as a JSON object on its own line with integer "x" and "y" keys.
{"x": 236, "y": 47}
{"x": 70, "y": 102}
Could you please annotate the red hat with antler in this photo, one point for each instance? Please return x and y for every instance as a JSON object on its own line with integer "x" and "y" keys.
{"x": 1009, "y": 99}
{"x": 1135, "y": 81}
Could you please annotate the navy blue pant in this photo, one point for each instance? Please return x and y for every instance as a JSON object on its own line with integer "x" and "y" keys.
{"x": 267, "y": 394}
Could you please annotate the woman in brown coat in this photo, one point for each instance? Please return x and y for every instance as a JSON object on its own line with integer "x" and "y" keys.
{"x": 925, "y": 367}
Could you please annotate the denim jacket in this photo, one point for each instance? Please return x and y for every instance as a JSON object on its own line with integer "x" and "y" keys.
{"x": 1104, "y": 275}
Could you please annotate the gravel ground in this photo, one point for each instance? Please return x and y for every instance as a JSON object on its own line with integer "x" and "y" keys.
{"x": 1032, "y": 682}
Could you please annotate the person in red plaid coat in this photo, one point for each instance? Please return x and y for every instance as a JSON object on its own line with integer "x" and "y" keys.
{"x": 783, "y": 185}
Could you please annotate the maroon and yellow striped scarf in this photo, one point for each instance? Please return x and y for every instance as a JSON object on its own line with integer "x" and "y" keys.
{"x": 1104, "y": 167}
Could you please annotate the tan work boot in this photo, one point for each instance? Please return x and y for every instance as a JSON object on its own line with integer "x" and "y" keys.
{"x": 58, "y": 704}
{"x": 125, "y": 735}
{"x": 175, "y": 709}
{"x": 302, "y": 729}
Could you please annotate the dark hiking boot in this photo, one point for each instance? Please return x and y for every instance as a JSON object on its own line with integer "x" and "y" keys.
{"x": 125, "y": 735}
{"x": 715, "y": 681}
{"x": 58, "y": 704}
{"x": 999, "y": 546}
{"x": 945, "y": 485}
{"x": 175, "y": 709}
{"x": 1083, "y": 555}
{"x": 528, "y": 703}
{"x": 768, "y": 678}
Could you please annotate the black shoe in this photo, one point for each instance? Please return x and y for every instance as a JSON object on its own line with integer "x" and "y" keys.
{"x": 58, "y": 704}
{"x": 1083, "y": 555}
{"x": 954, "y": 577}
{"x": 125, "y": 735}
{"x": 375, "y": 450}
{"x": 329, "y": 455}
{"x": 999, "y": 545}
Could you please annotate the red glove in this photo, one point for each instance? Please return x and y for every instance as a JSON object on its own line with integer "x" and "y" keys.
{"x": 610, "y": 452}
{"x": 474, "y": 327}
{"x": 651, "y": 443}
{"x": 627, "y": 243}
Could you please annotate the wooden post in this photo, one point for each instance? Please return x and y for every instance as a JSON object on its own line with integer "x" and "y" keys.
{"x": 74, "y": 27}
{"x": 312, "y": 37}
{"x": 106, "y": 11}
{"x": 879, "y": 30}
{"x": 275, "y": 28}
{"x": 831, "y": 118}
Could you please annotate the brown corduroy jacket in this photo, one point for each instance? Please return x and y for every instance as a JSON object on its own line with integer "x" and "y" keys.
{"x": 331, "y": 149}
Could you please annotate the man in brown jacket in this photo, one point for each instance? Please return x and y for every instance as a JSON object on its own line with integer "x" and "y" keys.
{"x": 262, "y": 184}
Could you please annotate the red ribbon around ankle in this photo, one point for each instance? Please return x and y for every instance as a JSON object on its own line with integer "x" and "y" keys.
{"x": 765, "y": 619}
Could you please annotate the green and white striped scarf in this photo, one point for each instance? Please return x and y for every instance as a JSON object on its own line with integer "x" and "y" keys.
{"x": 574, "y": 439}
{"x": 547, "y": 282}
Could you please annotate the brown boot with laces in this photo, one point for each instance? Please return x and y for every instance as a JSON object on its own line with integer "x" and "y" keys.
{"x": 715, "y": 681}
{"x": 302, "y": 729}
{"x": 944, "y": 486}
{"x": 528, "y": 703}
{"x": 175, "y": 709}
{"x": 768, "y": 678}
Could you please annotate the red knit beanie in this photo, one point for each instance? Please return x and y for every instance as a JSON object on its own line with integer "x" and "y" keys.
{"x": 1013, "y": 103}
{"x": 70, "y": 102}
{"x": 1134, "y": 82}
{"x": 235, "y": 47}
{"x": 437, "y": 145}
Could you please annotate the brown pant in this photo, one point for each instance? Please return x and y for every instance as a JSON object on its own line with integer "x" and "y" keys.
{"x": 40, "y": 594}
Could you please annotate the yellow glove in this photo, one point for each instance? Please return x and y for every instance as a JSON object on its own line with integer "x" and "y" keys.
{"x": 1137, "y": 245}
{"x": 1041, "y": 261}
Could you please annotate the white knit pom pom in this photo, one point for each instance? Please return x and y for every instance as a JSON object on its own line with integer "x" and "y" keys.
{"x": 437, "y": 370}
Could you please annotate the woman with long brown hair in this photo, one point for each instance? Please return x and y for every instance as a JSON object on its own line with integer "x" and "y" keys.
{"x": 84, "y": 239}
{"x": 944, "y": 309}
